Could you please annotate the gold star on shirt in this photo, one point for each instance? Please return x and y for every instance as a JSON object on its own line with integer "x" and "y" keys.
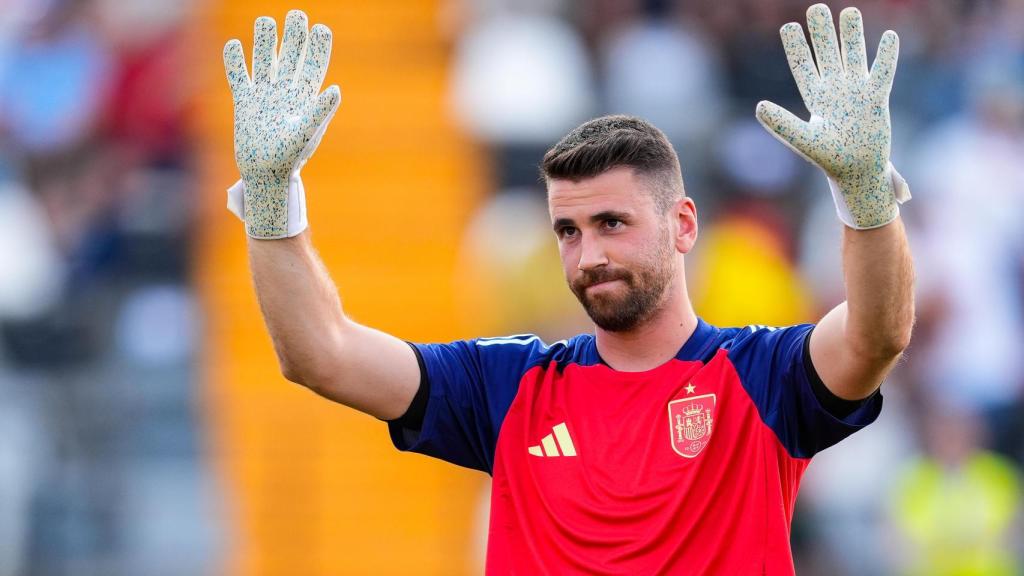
{"x": 690, "y": 388}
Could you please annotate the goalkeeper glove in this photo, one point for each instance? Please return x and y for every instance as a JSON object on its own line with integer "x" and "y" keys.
{"x": 279, "y": 121}
{"x": 848, "y": 135}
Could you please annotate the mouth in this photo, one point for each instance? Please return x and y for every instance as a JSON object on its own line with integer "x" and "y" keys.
{"x": 606, "y": 283}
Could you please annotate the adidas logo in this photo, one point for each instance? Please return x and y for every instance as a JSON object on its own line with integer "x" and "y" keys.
{"x": 550, "y": 444}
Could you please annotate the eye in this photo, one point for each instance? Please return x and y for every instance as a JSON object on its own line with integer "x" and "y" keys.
{"x": 567, "y": 232}
{"x": 614, "y": 224}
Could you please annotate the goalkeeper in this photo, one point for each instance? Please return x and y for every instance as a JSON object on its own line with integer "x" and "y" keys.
{"x": 658, "y": 443}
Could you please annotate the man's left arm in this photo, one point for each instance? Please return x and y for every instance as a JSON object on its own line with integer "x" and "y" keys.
{"x": 859, "y": 341}
{"x": 849, "y": 137}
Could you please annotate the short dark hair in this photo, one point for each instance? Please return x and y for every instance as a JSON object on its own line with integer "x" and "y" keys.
{"x": 601, "y": 144}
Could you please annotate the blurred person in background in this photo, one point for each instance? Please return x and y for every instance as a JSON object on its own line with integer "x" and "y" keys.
{"x": 52, "y": 86}
{"x": 660, "y": 65}
{"x": 772, "y": 397}
{"x": 55, "y": 131}
{"x": 956, "y": 508}
{"x": 524, "y": 274}
{"x": 752, "y": 235}
{"x": 973, "y": 316}
{"x": 932, "y": 89}
{"x": 96, "y": 354}
{"x": 521, "y": 77}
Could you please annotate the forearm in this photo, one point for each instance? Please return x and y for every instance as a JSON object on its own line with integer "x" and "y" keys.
{"x": 300, "y": 305}
{"x": 879, "y": 276}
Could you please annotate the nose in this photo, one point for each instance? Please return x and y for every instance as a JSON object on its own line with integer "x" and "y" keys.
{"x": 591, "y": 254}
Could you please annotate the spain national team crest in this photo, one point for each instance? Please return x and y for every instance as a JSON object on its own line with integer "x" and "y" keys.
{"x": 691, "y": 422}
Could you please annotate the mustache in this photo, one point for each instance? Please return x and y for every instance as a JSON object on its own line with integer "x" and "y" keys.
{"x": 591, "y": 277}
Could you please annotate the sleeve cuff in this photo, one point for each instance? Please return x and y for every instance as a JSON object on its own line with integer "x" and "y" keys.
{"x": 838, "y": 407}
{"x": 413, "y": 417}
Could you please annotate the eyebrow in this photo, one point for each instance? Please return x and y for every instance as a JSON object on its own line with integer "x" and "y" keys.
{"x": 599, "y": 217}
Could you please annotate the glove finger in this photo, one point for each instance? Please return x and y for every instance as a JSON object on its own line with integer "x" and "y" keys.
{"x": 234, "y": 67}
{"x": 787, "y": 128}
{"x": 263, "y": 49}
{"x": 293, "y": 46}
{"x": 319, "y": 118}
{"x": 884, "y": 67}
{"x": 823, "y": 37}
{"x": 318, "y": 54}
{"x": 851, "y": 27}
{"x": 798, "y": 54}
{"x": 323, "y": 111}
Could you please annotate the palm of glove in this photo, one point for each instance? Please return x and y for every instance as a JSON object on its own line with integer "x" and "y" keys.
{"x": 269, "y": 129}
{"x": 279, "y": 117}
{"x": 848, "y": 134}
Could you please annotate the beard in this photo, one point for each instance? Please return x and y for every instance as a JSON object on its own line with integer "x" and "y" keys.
{"x": 614, "y": 311}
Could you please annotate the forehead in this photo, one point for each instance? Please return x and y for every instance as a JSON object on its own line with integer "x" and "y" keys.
{"x": 617, "y": 189}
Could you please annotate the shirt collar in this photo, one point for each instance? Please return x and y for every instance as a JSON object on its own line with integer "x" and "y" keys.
{"x": 694, "y": 349}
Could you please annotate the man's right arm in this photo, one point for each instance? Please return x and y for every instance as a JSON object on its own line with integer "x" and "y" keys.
{"x": 280, "y": 117}
{"x": 316, "y": 344}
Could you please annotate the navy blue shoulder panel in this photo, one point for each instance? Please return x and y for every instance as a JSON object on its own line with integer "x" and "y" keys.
{"x": 472, "y": 384}
{"x": 770, "y": 364}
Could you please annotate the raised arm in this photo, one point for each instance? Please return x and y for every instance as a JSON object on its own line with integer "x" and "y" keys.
{"x": 848, "y": 136}
{"x": 316, "y": 344}
{"x": 280, "y": 116}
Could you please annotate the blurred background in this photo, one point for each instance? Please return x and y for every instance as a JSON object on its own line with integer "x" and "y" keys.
{"x": 144, "y": 426}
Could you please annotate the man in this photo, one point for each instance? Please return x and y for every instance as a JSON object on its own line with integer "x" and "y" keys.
{"x": 659, "y": 443}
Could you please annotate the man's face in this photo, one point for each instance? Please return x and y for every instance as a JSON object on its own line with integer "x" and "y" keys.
{"x": 617, "y": 251}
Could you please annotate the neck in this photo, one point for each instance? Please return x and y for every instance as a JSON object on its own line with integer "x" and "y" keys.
{"x": 654, "y": 342}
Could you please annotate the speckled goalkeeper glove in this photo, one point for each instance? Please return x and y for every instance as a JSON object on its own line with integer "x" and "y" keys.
{"x": 848, "y": 135}
{"x": 280, "y": 117}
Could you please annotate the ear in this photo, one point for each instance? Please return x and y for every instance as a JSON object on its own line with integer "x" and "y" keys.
{"x": 684, "y": 216}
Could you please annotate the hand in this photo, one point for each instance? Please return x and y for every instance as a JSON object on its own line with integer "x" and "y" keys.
{"x": 848, "y": 135}
{"x": 279, "y": 121}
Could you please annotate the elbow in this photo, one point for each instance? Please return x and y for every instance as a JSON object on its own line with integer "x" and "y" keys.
{"x": 318, "y": 367}
{"x": 886, "y": 347}
{"x": 292, "y": 372}
{"x": 895, "y": 347}
{"x": 899, "y": 336}
{"x": 324, "y": 379}
{"x": 883, "y": 337}
{"x": 304, "y": 373}
{"x": 902, "y": 342}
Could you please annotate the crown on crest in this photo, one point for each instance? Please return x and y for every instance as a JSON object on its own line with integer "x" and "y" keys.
{"x": 692, "y": 409}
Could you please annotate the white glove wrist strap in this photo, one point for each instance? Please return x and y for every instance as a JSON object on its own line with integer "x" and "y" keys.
{"x": 297, "y": 218}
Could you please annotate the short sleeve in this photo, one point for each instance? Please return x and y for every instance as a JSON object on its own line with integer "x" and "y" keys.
{"x": 471, "y": 385}
{"x": 771, "y": 365}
